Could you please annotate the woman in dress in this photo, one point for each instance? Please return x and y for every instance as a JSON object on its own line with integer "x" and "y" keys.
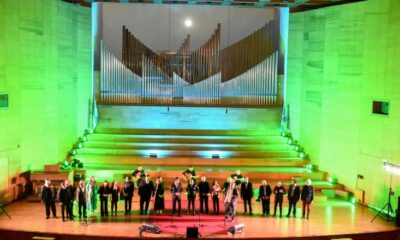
{"x": 91, "y": 191}
{"x": 159, "y": 196}
{"x": 215, "y": 196}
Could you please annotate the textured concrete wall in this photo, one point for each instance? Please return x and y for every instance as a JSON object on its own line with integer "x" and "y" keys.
{"x": 341, "y": 59}
{"x": 45, "y": 67}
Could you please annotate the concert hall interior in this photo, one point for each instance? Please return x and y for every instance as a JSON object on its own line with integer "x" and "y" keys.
{"x": 164, "y": 119}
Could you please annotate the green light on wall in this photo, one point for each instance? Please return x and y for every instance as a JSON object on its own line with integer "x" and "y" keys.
{"x": 353, "y": 200}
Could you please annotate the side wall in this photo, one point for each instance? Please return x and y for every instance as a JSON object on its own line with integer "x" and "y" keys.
{"x": 45, "y": 67}
{"x": 341, "y": 59}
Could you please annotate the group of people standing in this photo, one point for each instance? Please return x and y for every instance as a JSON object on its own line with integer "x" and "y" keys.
{"x": 236, "y": 185}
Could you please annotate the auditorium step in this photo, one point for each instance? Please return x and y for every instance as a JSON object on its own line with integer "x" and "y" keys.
{"x": 188, "y": 146}
{"x": 128, "y": 162}
{"x": 193, "y": 139}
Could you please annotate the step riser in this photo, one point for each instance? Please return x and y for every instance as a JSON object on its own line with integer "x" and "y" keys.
{"x": 193, "y": 147}
{"x": 186, "y": 140}
{"x": 98, "y": 151}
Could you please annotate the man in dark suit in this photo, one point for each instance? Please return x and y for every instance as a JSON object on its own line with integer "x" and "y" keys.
{"x": 279, "y": 191}
{"x": 69, "y": 197}
{"x": 293, "y": 197}
{"x": 103, "y": 192}
{"x": 246, "y": 193}
{"x": 81, "y": 199}
{"x": 264, "y": 194}
{"x": 204, "y": 192}
{"x": 307, "y": 196}
{"x": 146, "y": 190}
{"x": 176, "y": 190}
{"x": 48, "y": 198}
{"x": 128, "y": 191}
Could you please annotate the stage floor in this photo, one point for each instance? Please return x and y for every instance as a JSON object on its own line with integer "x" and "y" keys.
{"x": 333, "y": 217}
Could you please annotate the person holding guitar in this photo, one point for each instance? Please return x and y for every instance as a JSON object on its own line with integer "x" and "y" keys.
{"x": 138, "y": 175}
{"x": 237, "y": 176}
{"x": 190, "y": 173}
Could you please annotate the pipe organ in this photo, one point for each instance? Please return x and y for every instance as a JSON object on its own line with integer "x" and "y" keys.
{"x": 244, "y": 73}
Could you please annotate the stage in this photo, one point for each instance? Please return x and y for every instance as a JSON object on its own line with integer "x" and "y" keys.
{"x": 329, "y": 220}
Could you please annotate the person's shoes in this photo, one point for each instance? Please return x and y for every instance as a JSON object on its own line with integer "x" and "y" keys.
{"x": 302, "y": 216}
{"x": 193, "y": 214}
{"x": 47, "y": 217}
{"x": 280, "y": 215}
{"x": 141, "y": 213}
{"x": 251, "y": 214}
{"x": 179, "y": 214}
{"x": 288, "y": 215}
{"x": 274, "y": 215}
{"x": 308, "y": 218}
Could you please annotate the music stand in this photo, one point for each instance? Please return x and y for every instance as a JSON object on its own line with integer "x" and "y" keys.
{"x": 2, "y": 210}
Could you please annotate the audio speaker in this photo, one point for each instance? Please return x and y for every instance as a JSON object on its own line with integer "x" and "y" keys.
{"x": 238, "y": 228}
{"x": 192, "y": 232}
{"x": 397, "y": 219}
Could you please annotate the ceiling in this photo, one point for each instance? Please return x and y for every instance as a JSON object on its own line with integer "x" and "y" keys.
{"x": 295, "y": 5}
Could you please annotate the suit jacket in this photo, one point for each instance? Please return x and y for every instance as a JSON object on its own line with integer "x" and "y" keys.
{"x": 104, "y": 192}
{"x": 191, "y": 190}
{"x": 204, "y": 188}
{"x": 70, "y": 194}
{"x": 48, "y": 194}
{"x": 279, "y": 195}
{"x": 62, "y": 196}
{"x": 176, "y": 189}
{"x": 294, "y": 193}
{"x": 146, "y": 190}
{"x": 307, "y": 194}
{"x": 246, "y": 192}
{"x": 81, "y": 194}
{"x": 129, "y": 188}
{"x": 264, "y": 192}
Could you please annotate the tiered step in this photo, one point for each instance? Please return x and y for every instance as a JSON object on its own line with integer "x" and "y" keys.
{"x": 112, "y": 153}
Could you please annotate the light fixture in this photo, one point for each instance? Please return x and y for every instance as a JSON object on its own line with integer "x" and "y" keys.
{"x": 390, "y": 167}
{"x": 214, "y": 155}
{"x": 188, "y": 23}
{"x": 302, "y": 155}
{"x": 153, "y": 154}
{"x": 297, "y": 148}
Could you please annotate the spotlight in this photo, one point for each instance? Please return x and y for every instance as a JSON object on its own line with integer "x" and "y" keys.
{"x": 214, "y": 155}
{"x": 153, "y": 154}
{"x": 302, "y": 155}
{"x": 390, "y": 167}
{"x": 332, "y": 180}
{"x": 65, "y": 165}
{"x": 297, "y": 148}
